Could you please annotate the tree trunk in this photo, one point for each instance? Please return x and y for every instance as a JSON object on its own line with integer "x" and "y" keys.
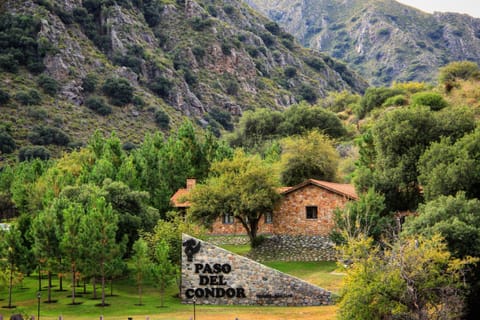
{"x": 102, "y": 270}
{"x": 73, "y": 284}
{"x": 94, "y": 282}
{"x": 10, "y": 287}
{"x": 39, "y": 279}
{"x": 49, "y": 287}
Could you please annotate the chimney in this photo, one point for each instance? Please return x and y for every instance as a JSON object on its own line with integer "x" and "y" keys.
{"x": 191, "y": 183}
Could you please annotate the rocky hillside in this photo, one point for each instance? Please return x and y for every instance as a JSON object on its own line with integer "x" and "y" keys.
{"x": 383, "y": 40}
{"x": 68, "y": 67}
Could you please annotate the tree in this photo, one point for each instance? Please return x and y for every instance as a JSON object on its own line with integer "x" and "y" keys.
{"x": 15, "y": 256}
{"x": 301, "y": 118}
{"x": 118, "y": 90}
{"x": 391, "y": 150}
{"x": 142, "y": 265}
{"x": 457, "y": 219}
{"x": 366, "y": 216}
{"x": 47, "y": 243}
{"x": 311, "y": 156}
{"x": 413, "y": 278}
{"x": 163, "y": 270}
{"x": 71, "y": 243}
{"x": 447, "y": 168}
{"x": 99, "y": 227}
{"x": 453, "y": 71}
{"x": 244, "y": 186}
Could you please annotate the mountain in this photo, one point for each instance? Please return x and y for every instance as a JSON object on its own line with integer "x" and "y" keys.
{"x": 383, "y": 40}
{"x": 69, "y": 67}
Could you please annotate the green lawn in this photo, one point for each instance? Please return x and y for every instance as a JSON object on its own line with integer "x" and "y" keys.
{"x": 125, "y": 299}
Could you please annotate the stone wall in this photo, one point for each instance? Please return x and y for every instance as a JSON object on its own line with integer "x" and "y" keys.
{"x": 216, "y": 276}
{"x": 294, "y": 248}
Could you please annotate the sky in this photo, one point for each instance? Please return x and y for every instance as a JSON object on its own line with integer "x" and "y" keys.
{"x": 471, "y": 7}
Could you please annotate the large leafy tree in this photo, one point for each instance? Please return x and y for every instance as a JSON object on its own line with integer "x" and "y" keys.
{"x": 413, "y": 278}
{"x": 391, "y": 150}
{"x": 244, "y": 186}
{"x": 311, "y": 155}
{"x": 447, "y": 167}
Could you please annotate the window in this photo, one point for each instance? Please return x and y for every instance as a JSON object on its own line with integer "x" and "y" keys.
{"x": 311, "y": 212}
{"x": 268, "y": 217}
{"x": 227, "y": 218}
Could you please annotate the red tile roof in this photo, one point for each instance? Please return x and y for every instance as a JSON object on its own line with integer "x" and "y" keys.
{"x": 346, "y": 190}
{"x": 178, "y": 197}
{"x": 343, "y": 189}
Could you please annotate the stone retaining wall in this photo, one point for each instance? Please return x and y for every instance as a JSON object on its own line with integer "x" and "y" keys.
{"x": 294, "y": 248}
{"x": 211, "y": 275}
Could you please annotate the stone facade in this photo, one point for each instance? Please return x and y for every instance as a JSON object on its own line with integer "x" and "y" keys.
{"x": 290, "y": 217}
{"x": 211, "y": 275}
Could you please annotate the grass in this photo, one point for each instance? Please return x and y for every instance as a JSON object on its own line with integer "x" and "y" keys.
{"x": 125, "y": 299}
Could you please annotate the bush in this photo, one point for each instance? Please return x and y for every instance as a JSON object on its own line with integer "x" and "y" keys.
{"x": 29, "y": 98}
{"x": 118, "y": 90}
{"x": 231, "y": 87}
{"x": 162, "y": 119}
{"x": 7, "y": 144}
{"x": 272, "y": 27}
{"x": 458, "y": 70}
{"x": 430, "y": 99}
{"x": 398, "y": 100}
{"x": 226, "y": 48}
{"x": 89, "y": 83}
{"x": 161, "y": 87}
{"x": 47, "y": 135}
{"x": 222, "y": 117}
{"x": 48, "y": 84}
{"x": 199, "y": 52}
{"x": 98, "y": 105}
{"x": 290, "y": 72}
{"x": 8, "y": 63}
{"x": 267, "y": 39}
{"x": 315, "y": 63}
{"x": 4, "y": 97}
{"x": 307, "y": 93}
{"x": 199, "y": 24}
{"x": 35, "y": 152}
{"x": 374, "y": 98}
{"x": 152, "y": 11}
{"x": 228, "y": 9}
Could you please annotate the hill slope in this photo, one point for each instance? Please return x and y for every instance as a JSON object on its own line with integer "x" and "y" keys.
{"x": 136, "y": 65}
{"x": 383, "y": 40}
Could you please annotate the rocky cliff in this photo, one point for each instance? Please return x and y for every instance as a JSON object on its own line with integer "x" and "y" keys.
{"x": 382, "y": 40}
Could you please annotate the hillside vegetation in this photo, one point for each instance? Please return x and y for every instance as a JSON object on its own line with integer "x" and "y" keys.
{"x": 71, "y": 67}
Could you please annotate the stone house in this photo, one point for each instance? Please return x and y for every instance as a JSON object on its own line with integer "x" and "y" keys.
{"x": 304, "y": 210}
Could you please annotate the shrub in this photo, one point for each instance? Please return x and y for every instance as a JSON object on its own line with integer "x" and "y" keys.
{"x": 89, "y": 83}
{"x": 226, "y": 48}
{"x": 199, "y": 52}
{"x": 7, "y": 144}
{"x": 152, "y": 11}
{"x": 138, "y": 101}
{"x": 98, "y": 105}
{"x": 190, "y": 77}
{"x": 118, "y": 90}
{"x": 8, "y": 63}
{"x": 32, "y": 97}
{"x": 458, "y": 70}
{"x": 161, "y": 86}
{"x": 44, "y": 135}
{"x": 231, "y": 87}
{"x": 267, "y": 39}
{"x": 431, "y": 99}
{"x": 307, "y": 92}
{"x": 272, "y": 27}
{"x": 35, "y": 152}
{"x": 162, "y": 119}
{"x": 290, "y": 72}
{"x": 228, "y": 9}
{"x": 315, "y": 63}
{"x": 398, "y": 100}
{"x": 374, "y": 98}
{"x": 199, "y": 24}
{"x": 223, "y": 117}
{"x": 48, "y": 84}
{"x": 4, "y": 97}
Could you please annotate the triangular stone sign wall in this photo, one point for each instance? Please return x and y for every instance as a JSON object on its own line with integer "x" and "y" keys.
{"x": 212, "y": 275}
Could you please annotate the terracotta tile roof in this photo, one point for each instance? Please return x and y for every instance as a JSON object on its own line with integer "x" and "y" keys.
{"x": 177, "y": 198}
{"x": 346, "y": 190}
{"x": 343, "y": 189}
